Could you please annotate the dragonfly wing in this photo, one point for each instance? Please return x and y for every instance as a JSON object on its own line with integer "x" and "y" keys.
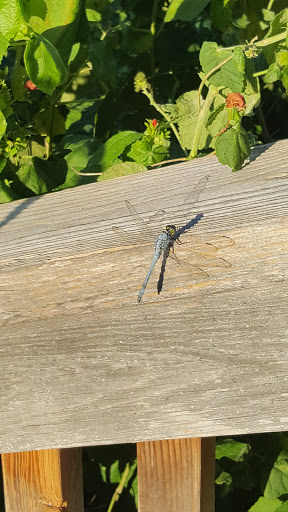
{"x": 195, "y": 270}
{"x": 213, "y": 262}
{"x": 141, "y": 224}
{"x": 221, "y": 242}
{"x": 141, "y": 235}
{"x": 131, "y": 237}
{"x": 192, "y": 198}
{"x": 135, "y": 216}
{"x": 202, "y": 255}
{"x": 182, "y": 216}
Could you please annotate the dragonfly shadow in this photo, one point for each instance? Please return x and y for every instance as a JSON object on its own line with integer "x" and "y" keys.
{"x": 188, "y": 225}
{"x": 176, "y": 237}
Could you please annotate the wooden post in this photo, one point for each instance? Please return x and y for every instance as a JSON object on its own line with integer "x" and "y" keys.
{"x": 43, "y": 481}
{"x": 176, "y": 474}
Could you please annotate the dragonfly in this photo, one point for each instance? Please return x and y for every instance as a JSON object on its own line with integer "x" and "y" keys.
{"x": 165, "y": 241}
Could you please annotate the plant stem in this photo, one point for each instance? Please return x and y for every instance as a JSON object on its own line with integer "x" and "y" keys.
{"x": 270, "y": 4}
{"x": 153, "y": 17}
{"x": 208, "y": 75}
{"x": 165, "y": 115}
{"x": 153, "y": 31}
{"x": 119, "y": 488}
{"x": 50, "y": 134}
{"x": 86, "y": 173}
{"x": 260, "y": 73}
{"x": 200, "y": 122}
{"x": 265, "y": 134}
{"x": 264, "y": 42}
{"x": 167, "y": 162}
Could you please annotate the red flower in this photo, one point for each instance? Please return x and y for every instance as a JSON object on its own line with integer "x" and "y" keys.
{"x": 154, "y": 122}
{"x": 30, "y": 86}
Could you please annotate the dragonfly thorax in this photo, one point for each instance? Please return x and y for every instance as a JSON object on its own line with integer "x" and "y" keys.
{"x": 170, "y": 230}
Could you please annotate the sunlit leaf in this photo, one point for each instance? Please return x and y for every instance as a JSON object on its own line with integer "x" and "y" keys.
{"x": 234, "y": 450}
{"x": 121, "y": 169}
{"x": 44, "y": 64}
{"x": 184, "y": 10}
{"x": 113, "y": 148}
{"x": 232, "y": 147}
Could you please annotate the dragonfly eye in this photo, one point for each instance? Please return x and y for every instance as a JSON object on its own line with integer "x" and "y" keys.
{"x": 170, "y": 229}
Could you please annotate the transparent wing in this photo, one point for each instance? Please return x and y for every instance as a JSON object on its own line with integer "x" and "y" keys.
{"x": 182, "y": 215}
{"x": 147, "y": 231}
{"x": 143, "y": 226}
{"x": 143, "y": 234}
{"x": 192, "y": 198}
{"x": 202, "y": 256}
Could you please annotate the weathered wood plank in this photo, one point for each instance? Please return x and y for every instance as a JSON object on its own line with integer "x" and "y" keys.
{"x": 44, "y": 480}
{"x": 176, "y": 474}
{"x": 83, "y": 363}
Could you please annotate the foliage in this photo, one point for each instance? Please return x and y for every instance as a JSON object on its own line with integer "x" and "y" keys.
{"x": 103, "y": 468}
{"x": 252, "y": 473}
{"x": 67, "y": 97}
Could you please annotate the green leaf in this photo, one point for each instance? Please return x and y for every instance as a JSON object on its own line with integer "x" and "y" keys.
{"x": 3, "y": 161}
{"x": 28, "y": 175}
{"x": 44, "y": 64}
{"x": 103, "y": 60}
{"x": 135, "y": 41}
{"x": 282, "y": 57}
{"x": 147, "y": 153}
{"x": 3, "y": 46}
{"x": 268, "y": 15}
{"x": 224, "y": 478}
{"x": 42, "y": 122}
{"x": 75, "y": 113}
{"x": 264, "y": 505}
{"x": 230, "y": 74}
{"x": 18, "y": 78}
{"x": 73, "y": 116}
{"x": 3, "y": 125}
{"x": 187, "y": 120}
{"x": 184, "y": 10}
{"x": 278, "y": 25}
{"x": 5, "y": 100}
{"x": 221, "y": 14}
{"x": 93, "y": 16}
{"x": 217, "y": 120}
{"x": 58, "y": 21}
{"x": 121, "y": 169}
{"x": 251, "y": 94}
{"x": 283, "y": 508}
{"x": 6, "y": 193}
{"x": 12, "y": 17}
{"x": 284, "y": 77}
{"x": 273, "y": 73}
{"x": 81, "y": 151}
{"x": 113, "y": 148}
{"x": 240, "y": 19}
{"x": 231, "y": 449}
{"x": 277, "y": 483}
{"x": 232, "y": 147}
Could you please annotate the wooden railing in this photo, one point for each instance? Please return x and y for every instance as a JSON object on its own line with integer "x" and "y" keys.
{"x": 84, "y": 364}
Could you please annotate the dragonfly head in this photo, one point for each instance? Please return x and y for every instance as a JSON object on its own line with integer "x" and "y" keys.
{"x": 170, "y": 229}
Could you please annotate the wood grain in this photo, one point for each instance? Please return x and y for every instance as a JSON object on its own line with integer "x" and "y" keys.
{"x": 43, "y": 481}
{"x": 176, "y": 474}
{"x": 82, "y": 363}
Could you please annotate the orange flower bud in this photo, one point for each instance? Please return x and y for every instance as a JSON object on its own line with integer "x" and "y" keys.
{"x": 236, "y": 100}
